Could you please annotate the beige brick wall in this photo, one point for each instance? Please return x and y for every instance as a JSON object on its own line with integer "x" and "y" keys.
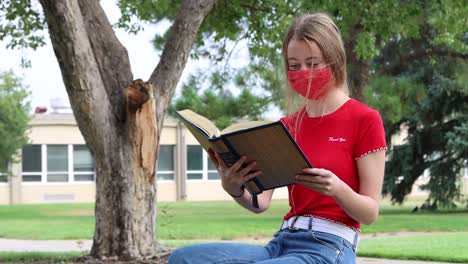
{"x": 57, "y": 193}
{"x": 4, "y": 193}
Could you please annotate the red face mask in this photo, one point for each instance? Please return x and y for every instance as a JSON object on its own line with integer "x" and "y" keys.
{"x": 310, "y": 84}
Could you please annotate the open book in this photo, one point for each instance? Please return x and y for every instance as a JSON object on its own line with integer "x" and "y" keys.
{"x": 268, "y": 143}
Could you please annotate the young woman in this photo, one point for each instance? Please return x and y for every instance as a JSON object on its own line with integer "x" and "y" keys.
{"x": 341, "y": 137}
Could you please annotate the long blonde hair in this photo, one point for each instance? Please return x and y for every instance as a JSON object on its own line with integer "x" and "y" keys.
{"x": 321, "y": 29}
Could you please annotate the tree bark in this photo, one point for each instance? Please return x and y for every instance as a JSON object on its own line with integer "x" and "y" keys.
{"x": 120, "y": 119}
{"x": 358, "y": 69}
{"x": 177, "y": 50}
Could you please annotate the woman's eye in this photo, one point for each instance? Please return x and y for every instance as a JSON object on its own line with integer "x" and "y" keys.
{"x": 312, "y": 65}
{"x": 294, "y": 67}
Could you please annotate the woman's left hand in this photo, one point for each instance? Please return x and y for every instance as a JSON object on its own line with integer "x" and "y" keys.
{"x": 320, "y": 180}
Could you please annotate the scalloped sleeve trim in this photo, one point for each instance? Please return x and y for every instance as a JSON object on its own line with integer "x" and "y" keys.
{"x": 370, "y": 152}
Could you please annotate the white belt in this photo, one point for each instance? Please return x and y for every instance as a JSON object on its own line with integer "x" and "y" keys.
{"x": 322, "y": 225}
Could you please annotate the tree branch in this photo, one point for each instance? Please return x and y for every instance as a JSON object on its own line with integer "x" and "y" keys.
{"x": 176, "y": 50}
{"x": 80, "y": 70}
{"x": 254, "y": 8}
{"x": 110, "y": 55}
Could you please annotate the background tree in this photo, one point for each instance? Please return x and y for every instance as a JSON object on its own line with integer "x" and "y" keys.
{"x": 260, "y": 25}
{"x": 219, "y": 104}
{"x": 120, "y": 118}
{"x": 14, "y": 117}
{"x": 427, "y": 97}
{"x": 426, "y": 32}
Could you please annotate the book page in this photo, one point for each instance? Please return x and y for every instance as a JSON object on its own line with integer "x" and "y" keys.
{"x": 243, "y": 125}
{"x": 203, "y": 123}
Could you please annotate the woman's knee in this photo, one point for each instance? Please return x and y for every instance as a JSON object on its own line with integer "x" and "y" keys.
{"x": 180, "y": 256}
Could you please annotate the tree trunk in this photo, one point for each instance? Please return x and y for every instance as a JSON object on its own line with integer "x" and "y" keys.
{"x": 358, "y": 69}
{"x": 119, "y": 117}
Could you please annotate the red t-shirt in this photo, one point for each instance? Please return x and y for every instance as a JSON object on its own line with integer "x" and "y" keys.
{"x": 333, "y": 142}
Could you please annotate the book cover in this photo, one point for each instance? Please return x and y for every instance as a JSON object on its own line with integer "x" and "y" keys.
{"x": 268, "y": 143}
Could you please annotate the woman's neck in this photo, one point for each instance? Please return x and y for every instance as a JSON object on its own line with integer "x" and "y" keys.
{"x": 328, "y": 104}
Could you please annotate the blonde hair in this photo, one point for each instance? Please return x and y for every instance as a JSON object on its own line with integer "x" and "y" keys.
{"x": 321, "y": 29}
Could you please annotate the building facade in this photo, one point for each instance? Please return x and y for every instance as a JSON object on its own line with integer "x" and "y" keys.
{"x": 56, "y": 166}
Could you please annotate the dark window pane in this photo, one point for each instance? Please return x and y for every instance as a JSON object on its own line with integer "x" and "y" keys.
{"x": 211, "y": 166}
{"x": 166, "y": 158}
{"x": 194, "y": 176}
{"x": 84, "y": 177}
{"x": 31, "y": 159}
{"x": 57, "y": 177}
{"x": 166, "y": 176}
{"x": 194, "y": 157}
{"x": 3, "y": 178}
{"x": 82, "y": 159}
{"x": 31, "y": 178}
{"x": 57, "y": 158}
{"x": 213, "y": 176}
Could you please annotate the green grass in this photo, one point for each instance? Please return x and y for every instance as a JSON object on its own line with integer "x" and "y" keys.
{"x": 50, "y": 221}
{"x": 38, "y": 257}
{"x": 440, "y": 247}
{"x": 204, "y": 220}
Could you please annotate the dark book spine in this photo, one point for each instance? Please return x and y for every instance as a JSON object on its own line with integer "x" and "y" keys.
{"x": 229, "y": 157}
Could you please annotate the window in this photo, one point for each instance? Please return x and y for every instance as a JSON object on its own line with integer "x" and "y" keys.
{"x": 166, "y": 162}
{"x": 3, "y": 171}
{"x": 212, "y": 172}
{"x": 32, "y": 163}
{"x": 199, "y": 165}
{"x": 194, "y": 162}
{"x": 83, "y": 164}
{"x": 57, "y": 163}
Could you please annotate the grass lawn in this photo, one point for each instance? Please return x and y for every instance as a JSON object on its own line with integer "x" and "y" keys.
{"x": 451, "y": 247}
{"x": 182, "y": 220}
{"x": 35, "y": 257}
{"x": 225, "y": 220}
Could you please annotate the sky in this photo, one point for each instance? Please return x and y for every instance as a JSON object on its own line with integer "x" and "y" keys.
{"x": 44, "y": 79}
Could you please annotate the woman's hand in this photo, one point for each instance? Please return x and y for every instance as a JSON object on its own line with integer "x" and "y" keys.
{"x": 232, "y": 178}
{"x": 320, "y": 180}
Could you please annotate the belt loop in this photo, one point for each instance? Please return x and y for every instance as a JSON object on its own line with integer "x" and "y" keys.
{"x": 294, "y": 222}
{"x": 310, "y": 222}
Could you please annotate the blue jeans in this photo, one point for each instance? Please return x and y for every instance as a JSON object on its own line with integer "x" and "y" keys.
{"x": 287, "y": 246}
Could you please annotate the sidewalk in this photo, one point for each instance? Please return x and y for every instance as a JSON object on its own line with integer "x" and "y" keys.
{"x": 13, "y": 245}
